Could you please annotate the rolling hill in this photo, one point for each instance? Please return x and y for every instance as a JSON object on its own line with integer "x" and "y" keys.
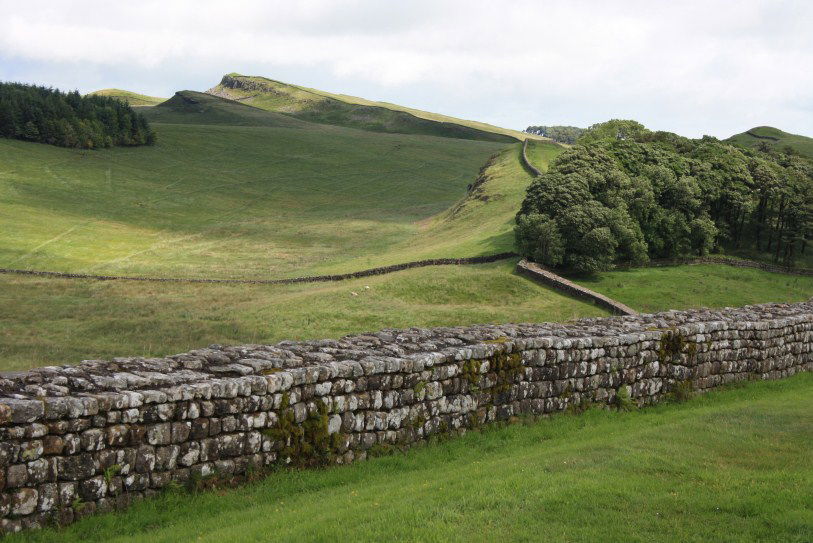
{"x": 132, "y": 98}
{"x": 227, "y": 191}
{"x": 234, "y": 191}
{"x": 191, "y": 107}
{"x": 324, "y": 107}
{"x": 774, "y": 137}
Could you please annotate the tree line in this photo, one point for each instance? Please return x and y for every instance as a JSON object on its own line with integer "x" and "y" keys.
{"x": 624, "y": 195}
{"x": 560, "y": 134}
{"x": 46, "y": 115}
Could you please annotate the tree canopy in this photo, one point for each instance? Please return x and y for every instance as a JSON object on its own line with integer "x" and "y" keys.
{"x": 624, "y": 195}
{"x": 561, "y": 134}
{"x": 46, "y": 115}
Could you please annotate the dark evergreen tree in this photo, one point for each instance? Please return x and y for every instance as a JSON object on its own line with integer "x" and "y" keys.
{"x": 46, "y": 115}
{"x": 561, "y": 134}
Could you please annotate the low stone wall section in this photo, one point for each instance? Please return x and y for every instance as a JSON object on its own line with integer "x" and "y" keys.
{"x": 735, "y": 262}
{"x": 306, "y": 279}
{"x": 533, "y": 170}
{"x": 547, "y": 277}
{"x": 76, "y": 440}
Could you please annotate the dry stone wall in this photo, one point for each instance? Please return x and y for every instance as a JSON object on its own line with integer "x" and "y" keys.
{"x": 734, "y": 262}
{"x": 547, "y": 277}
{"x": 75, "y": 440}
{"x": 531, "y": 169}
{"x": 292, "y": 280}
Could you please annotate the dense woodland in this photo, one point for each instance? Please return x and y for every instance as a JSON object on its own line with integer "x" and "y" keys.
{"x": 561, "y": 134}
{"x": 46, "y": 115}
{"x": 624, "y": 195}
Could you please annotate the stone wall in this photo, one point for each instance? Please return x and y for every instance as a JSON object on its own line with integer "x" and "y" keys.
{"x": 289, "y": 281}
{"x": 75, "y": 440}
{"x": 533, "y": 170}
{"x": 730, "y": 261}
{"x": 547, "y": 277}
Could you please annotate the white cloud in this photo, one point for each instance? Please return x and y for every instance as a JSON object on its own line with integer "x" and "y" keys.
{"x": 712, "y": 66}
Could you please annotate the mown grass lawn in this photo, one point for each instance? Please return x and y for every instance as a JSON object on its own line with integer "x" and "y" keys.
{"x": 733, "y": 465}
{"x": 706, "y": 285}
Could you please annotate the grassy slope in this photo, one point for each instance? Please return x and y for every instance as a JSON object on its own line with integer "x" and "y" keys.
{"x": 540, "y": 153}
{"x": 219, "y": 200}
{"x": 681, "y": 287}
{"x": 480, "y": 223}
{"x": 251, "y": 194}
{"x": 52, "y": 321}
{"x": 733, "y": 465}
{"x": 774, "y": 136}
{"x": 320, "y": 106}
{"x": 132, "y": 98}
{"x": 190, "y": 107}
{"x": 234, "y": 191}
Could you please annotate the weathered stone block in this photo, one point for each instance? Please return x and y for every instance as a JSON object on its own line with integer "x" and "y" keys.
{"x": 21, "y": 411}
{"x": 144, "y": 459}
{"x": 24, "y": 501}
{"x": 116, "y": 435}
{"x": 16, "y": 476}
{"x": 159, "y": 434}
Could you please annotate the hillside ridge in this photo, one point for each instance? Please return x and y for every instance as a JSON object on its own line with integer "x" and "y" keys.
{"x": 133, "y": 99}
{"x": 761, "y": 135}
{"x": 195, "y": 107}
{"x": 344, "y": 110}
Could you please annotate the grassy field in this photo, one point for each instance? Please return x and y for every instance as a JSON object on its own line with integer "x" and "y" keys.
{"x": 325, "y": 107}
{"x": 57, "y": 321}
{"x": 709, "y": 285}
{"x": 776, "y": 137}
{"x": 190, "y": 107}
{"x": 132, "y": 98}
{"x": 482, "y": 222}
{"x": 540, "y": 153}
{"x": 232, "y": 191}
{"x": 733, "y": 465}
{"x": 221, "y": 200}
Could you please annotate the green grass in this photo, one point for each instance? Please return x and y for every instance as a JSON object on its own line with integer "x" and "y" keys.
{"x": 190, "y": 107}
{"x": 273, "y": 197}
{"x": 132, "y": 98}
{"x": 709, "y": 285}
{"x": 234, "y": 191}
{"x": 540, "y": 153}
{"x": 480, "y": 223}
{"x": 775, "y": 137}
{"x": 57, "y": 321}
{"x": 325, "y": 107}
{"x": 733, "y": 465}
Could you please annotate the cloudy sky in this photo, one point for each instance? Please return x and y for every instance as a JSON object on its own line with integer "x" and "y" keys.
{"x": 694, "y": 67}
